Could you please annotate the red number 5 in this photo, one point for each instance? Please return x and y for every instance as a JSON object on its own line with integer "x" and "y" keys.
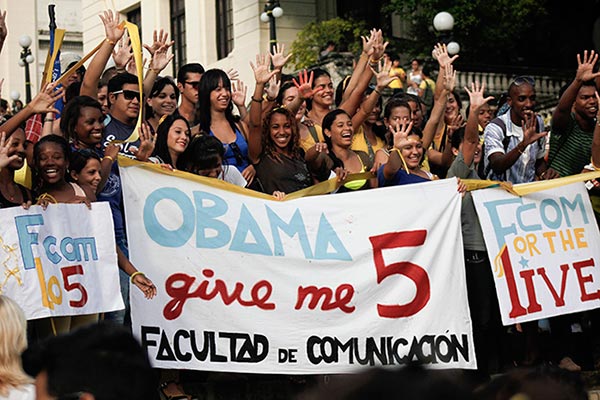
{"x": 66, "y": 273}
{"x": 412, "y": 271}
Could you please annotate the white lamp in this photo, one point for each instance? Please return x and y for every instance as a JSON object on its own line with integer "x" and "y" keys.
{"x": 453, "y": 48}
{"x": 25, "y": 41}
{"x": 443, "y": 21}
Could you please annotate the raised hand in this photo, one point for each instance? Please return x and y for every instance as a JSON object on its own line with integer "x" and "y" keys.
{"x": 273, "y": 88}
{"x": 379, "y": 46}
{"x": 160, "y": 59}
{"x": 278, "y": 58}
{"x": 368, "y": 42}
{"x": 44, "y": 101}
{"x": 440, "y": 53}
{"x": 455, "y": 124}
{"x": 449, "y": 77}
{"x": 400, "y": 133}
{"x": 123, "y": 54}
{"x": 112, "y": 26}
{"x": 232, "y": 74}
{"x": 530, "y": 134}
{"x": 238, "y": 93}
{"x": 147, "y": 143}
{"x": 304, "y": 85}
{"x": 160, "y": 39}
{"x": 262, "y": 74}
{"x": 585, "y": 67}
{"x": 383, "y": 75}
{"x": 476, "y": 99}
{"x": 5, "y": 145}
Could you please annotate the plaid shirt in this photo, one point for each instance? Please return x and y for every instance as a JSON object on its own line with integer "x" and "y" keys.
{"x": 523, "y": 170}
{"x": 33, "y": 128}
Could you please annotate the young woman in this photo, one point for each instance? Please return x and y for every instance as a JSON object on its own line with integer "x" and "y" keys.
{"x": 275, "y": 143}
{"x": 12, "y": 158}
{"x": 85, "y": 171}
{"x": 205, "y": 157}
{"x": 172, "y": 138}
{"x": 214, "y": 111}
{"x": 15, "y": 384}
{"x": 338, "y": 130}
{"x": 161, "y": 102}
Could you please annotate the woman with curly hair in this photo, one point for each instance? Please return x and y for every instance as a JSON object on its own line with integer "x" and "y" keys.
{"x": 282, "y": 166}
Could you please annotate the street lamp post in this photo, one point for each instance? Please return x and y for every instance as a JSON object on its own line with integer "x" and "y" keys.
{"x": 443, "y": 22}
{"x": 272, "y": 10}
{"x": 24, "y": 61}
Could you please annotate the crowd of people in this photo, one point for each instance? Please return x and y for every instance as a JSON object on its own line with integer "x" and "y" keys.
{"x": 292, "y": 132}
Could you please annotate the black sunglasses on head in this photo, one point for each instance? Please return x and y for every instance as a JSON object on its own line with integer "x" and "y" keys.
{"x": 519, "y": 80}
{"x": 128, "y": 94}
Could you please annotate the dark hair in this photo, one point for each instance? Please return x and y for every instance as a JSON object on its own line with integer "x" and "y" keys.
{"x": 203, "y": 152}
{"x": 4, "y": 104}
{"x": 79, "y": 159}
{"x": 72, "y": 112}
{"x": 340, "y": 89}
{"x": 117, "y": 82}
{"x": 456, "y": 96}
{"x": 158, "y": 87}
{"x": 162, "y": 133}
{"x": 269, "y": 148}
{"x": 457, "y": 138}
{"x": 87, "y": 359}
{"x": 209, "y": 82}
{"x": 55, "y": 139}
{"x": 195, "y": 68}
{"x": 395, "y": 102}
{"x": 317, "y": 73}
{"x": 282, "y": 90}
{"x": 328, "y": 121}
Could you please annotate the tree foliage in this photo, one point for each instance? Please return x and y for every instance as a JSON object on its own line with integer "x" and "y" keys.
{"x": 488, "y": 31}
{"x": 345, "y": 33}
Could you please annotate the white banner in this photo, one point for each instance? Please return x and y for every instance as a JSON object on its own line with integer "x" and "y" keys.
{"x": 59, "y": 261}
{"x": 321, "y": 284}
{"x": 544, "y": 251}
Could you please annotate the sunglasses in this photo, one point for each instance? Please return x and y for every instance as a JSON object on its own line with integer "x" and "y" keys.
{"x": 519, "y": 80}
{"x": 193, "y": 84}
{"x": 237, "y": 153}
{"x": 128, "y": 94}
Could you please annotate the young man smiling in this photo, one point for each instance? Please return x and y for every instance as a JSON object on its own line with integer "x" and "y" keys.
{"x": 124, "y": 105}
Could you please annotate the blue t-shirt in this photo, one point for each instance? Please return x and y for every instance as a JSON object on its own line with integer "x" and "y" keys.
{"x": 236, "y": 153}
{"x": 401, "y": 178}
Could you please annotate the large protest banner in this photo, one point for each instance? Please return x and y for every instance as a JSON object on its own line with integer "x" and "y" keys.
{"x": 59, "y": 261}
{"x": 320, "y": 284}
{"x": 544, "y": 251}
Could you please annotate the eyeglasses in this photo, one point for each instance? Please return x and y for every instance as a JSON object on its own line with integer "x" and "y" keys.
{"x": 128, "y": 94}
{"x": 519, "y": 80}
{"x": 193, "y": 84}
{"x": 237, "y": 153}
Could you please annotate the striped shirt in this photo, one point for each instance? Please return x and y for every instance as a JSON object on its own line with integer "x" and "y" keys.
{"x": 570, "y": 149}
{"x": 523, "y": 170}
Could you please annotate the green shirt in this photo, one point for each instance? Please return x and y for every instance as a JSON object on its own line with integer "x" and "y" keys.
{"x": 570, "y": 149}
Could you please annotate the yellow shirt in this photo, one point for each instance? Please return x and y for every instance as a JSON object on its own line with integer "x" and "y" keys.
{"x": 359, "y": 142}
{"x": 308, "y": 142}
{"x": 396, "y": 83}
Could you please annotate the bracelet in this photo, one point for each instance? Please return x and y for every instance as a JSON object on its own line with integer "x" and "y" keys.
{"x": 111, "y": 42}
{"x": 267, "y": 98}
{"x": 542, "y": 174}
{"x": 48, "y": 119}
{"x": 519, "y": 150}
{"x": 136, "y": 273}
{"x": 256, "y": 100}
{"x": 112, "y": 160}
{"x": 155, "y": 70}
{"x": 371, "y": 61}
{"x": 377, "y": 91}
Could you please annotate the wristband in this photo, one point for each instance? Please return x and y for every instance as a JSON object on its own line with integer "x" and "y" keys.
{"x": 256, "y": 100}
{"x": 111, "y": 42}
{"x": 377, "y": 91}
{"x": 136, "y": 273}
{"x": 48, "y": 119}
{"x": 112, "y": 160}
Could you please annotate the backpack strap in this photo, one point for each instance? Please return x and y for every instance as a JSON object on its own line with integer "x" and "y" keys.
{"x": 505, "y": 140}
{"x": 313, "y": 133}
